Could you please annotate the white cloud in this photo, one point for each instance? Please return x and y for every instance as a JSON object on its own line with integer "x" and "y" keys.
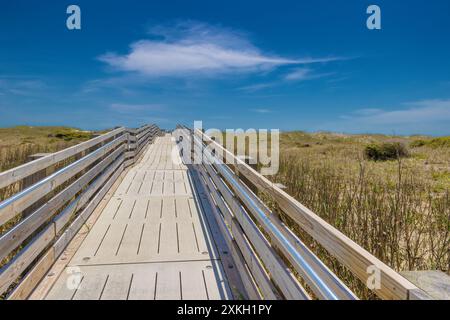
{"x": 197, "y": 49}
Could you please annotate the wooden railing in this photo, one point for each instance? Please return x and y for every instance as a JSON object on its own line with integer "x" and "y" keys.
{"x": 54, "y": 196}
{"x": 270, "y": 257}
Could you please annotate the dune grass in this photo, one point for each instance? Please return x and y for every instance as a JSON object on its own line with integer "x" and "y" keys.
{"x": 397, "y": 209}
{"x": 395, "y": 202}
{"x": 18, "y": 143}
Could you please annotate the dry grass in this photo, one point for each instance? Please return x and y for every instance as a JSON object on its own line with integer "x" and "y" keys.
{"x": 18, "y": 143}
{"x": 399, "y": 210}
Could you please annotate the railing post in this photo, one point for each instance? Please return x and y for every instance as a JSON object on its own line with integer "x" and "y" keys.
{"x": 252, "y": 164}
{"x": 34, "y": 178}
{"x": 130, "y": 133}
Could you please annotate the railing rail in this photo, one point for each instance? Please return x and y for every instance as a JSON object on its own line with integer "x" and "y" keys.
{"x": 15, "y": 174}
{"x": 41, "y": 219}
{"x": 230, "y": 192}
{"x": 234, "y": 197}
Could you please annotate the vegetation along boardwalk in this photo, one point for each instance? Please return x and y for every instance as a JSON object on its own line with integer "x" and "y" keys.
{"x": 121, "y": 216}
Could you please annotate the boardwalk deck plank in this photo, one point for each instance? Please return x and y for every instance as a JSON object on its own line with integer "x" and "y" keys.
{"x": 150, "y": 242}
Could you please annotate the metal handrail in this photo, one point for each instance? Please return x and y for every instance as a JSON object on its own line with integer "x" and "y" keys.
{"x": 324, "y": 290}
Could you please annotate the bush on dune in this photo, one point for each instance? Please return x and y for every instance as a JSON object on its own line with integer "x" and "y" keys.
{"x": 385, "y": 151}
{"x": 70, "y": 134}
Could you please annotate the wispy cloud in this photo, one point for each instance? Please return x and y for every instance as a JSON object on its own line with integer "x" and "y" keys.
{"x": 301, "y": 74}
{"x": 22, "y": 86}
{"x": 261, "y": 110}
{"x": 296, "y": 75}
{"x": 417, "y": 112}
{"x": 196, "y": 49}
{"x": 257, "y": 87}
{"x": 366, "y": 112}
{"x": 425, "y": 116}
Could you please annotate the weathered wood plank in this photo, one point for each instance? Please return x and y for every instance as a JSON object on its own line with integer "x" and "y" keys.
{"x": 193, "y": 285}
{"x": 91, "y": 287}
{"x": 11, "y": 271}
{"x": 27, "y": 285}
{"x": 142, "y": 287}
{"x": 118, "y": 286}
{"x": 168, "y": 286}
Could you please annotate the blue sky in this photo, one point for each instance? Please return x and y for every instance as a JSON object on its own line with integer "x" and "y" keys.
{"x": 306, "y": 65}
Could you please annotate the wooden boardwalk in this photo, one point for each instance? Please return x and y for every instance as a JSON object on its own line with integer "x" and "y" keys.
{"x": 121, "y": 217}
{"x": 151, "y": 241}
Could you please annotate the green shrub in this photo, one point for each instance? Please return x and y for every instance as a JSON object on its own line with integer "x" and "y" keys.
{"x": 418, "y": 143}
{"x": 385, "y": 151}
{"x": 69, "y": 135}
